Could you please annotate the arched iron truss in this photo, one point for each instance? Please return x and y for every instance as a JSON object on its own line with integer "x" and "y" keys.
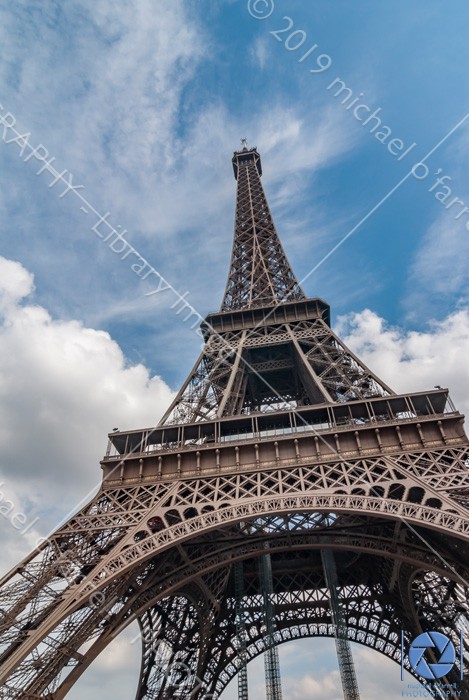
{"x": 191, "y": 584}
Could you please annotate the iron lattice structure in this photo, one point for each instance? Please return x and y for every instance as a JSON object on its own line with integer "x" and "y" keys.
{"x": 281, "y": 442}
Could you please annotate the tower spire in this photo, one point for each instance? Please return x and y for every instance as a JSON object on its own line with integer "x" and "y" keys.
{"x": 259, "y": 273}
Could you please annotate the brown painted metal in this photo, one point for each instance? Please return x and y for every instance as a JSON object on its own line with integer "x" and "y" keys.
{"x": 281, "y": 438}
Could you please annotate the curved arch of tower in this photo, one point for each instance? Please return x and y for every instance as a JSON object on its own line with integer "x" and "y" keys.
{"x": 286, "y": 493}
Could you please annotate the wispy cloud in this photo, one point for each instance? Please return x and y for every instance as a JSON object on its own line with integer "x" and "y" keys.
{"x": 260, "y": 52}
{"x": 438, "y": 278}
{"x": 117, "y": 115}
{"x": 438, "y": 275}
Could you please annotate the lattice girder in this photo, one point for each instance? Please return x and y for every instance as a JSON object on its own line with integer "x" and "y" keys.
{"x": 214, "y": 492}
{"x": 321, "y": 487}
{"x": 238, "y": 372}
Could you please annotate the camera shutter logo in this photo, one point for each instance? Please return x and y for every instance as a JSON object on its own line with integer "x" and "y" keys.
{"x": 432, "y": 655}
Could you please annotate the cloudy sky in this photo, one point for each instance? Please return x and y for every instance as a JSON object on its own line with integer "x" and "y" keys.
{"x": 140, "y": 105}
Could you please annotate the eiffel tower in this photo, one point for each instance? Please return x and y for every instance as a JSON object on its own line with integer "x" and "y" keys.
{"x": 281, "y": 448}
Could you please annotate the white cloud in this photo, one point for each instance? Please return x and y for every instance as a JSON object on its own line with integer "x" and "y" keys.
{"x": 309, "y": 669}
{"x": 62, "y": 388}
{"x": 20, "y": 526}
{"x": 413, "y": 360}
{"x": 115, "y": 672}
{"x": 326, "y": 687}
{"x": 16, "y": 283}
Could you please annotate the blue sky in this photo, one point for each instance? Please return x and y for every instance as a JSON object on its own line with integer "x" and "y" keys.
{"x": 144, "y": 103}
{"x": 146, "y": 118}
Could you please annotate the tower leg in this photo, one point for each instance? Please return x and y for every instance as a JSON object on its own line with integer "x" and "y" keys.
{"x": 170, "y": 638}
{"x": 243, "y": 693}
{"x": 272, "y": 665}
{"x": 344, "y": 652}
